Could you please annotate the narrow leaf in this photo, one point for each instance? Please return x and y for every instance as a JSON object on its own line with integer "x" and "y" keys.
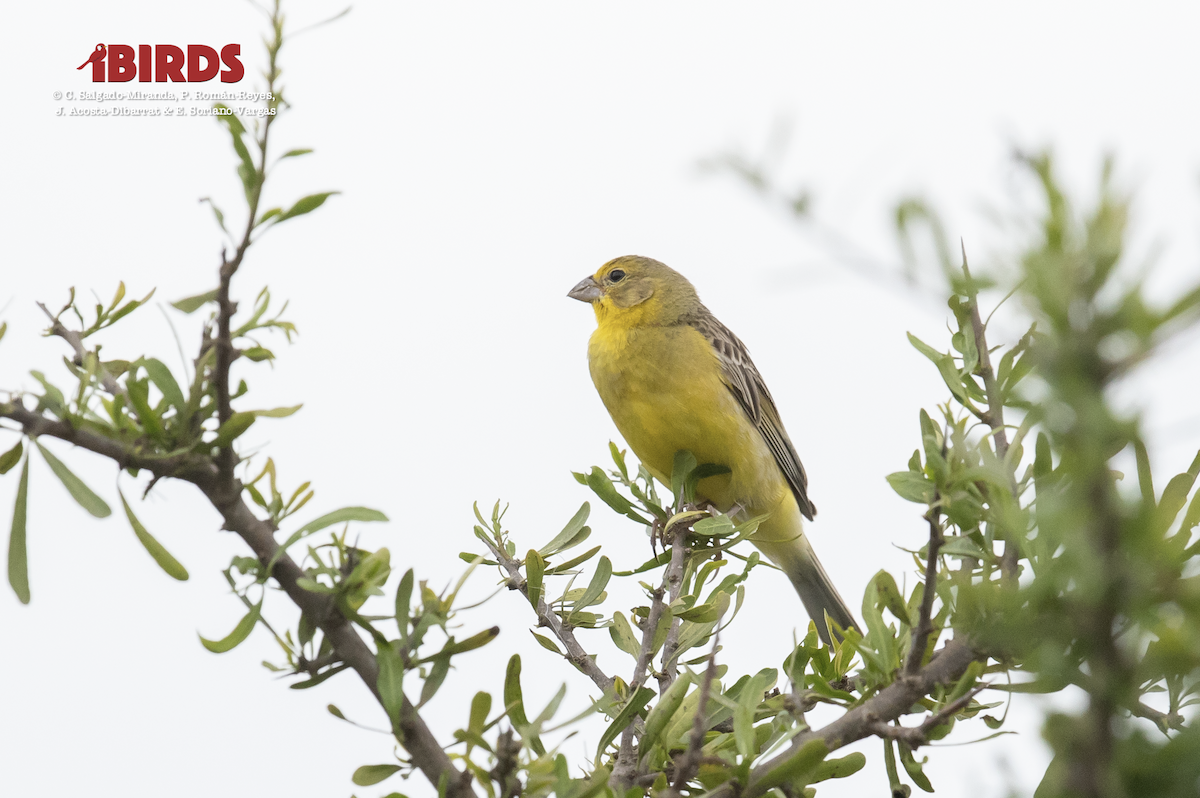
{"x": 18, "y": 560}
{"x": 161, "y": 376}
{"x": 239, "y": 633}
{"x": 305, "y": 205}
{"x": 546, "y": 642}
{"x": 367, "y": 775}
{"x": 562, "y": 540}
{"x": 232, "y": 429}
{"x": 193, "y": 303}
{"x": 390, "y": 681}
{"x": 80, "y": 492}
{"x": 161, "y": 556}
{"x": 597, "y": 585}
{"x": 11, "y": 457}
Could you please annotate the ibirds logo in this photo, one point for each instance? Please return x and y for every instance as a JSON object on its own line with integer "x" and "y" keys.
{"x": 164, "y": 62}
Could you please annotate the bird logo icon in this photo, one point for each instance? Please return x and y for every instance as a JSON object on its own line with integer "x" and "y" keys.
{"x": 96, "y": 56}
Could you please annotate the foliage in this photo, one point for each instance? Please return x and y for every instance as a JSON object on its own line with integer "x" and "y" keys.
{"x": 1042, "y": 569}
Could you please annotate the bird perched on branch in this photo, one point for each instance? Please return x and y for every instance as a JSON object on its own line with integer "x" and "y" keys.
{"x": 674, "y": 378}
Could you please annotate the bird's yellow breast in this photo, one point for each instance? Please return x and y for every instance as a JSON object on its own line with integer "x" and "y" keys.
{"x": 663, "y": 388}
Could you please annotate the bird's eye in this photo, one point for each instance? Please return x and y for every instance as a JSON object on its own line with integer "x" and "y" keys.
{"x": 616, "y": 276}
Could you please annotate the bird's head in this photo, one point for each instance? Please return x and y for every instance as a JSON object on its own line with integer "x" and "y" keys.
{"x": 635, "y": 291}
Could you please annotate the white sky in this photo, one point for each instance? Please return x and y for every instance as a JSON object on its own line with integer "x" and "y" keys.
{"x": 490, "y": 155}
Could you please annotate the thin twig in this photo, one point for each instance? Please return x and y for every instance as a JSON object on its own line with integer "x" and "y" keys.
{"x": 994, "y": 415}
{"x": 924, "y": 627}
{"x": 625, "y": 770}
{"x": 690, "y": 762}
{"x": 916, "y": 736}
{"x": 576, "y": 654}
{"x": 674, "y": 581}
{"x": 73, "y": 338}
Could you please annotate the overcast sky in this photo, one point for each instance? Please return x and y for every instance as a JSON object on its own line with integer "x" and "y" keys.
{"x": 489, "y": 156}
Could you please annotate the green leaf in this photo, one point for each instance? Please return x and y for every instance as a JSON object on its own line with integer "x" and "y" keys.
{"x": 664, "y": 710}
{"x": 514, "y": 702}
{"x": 52, "y": 398}
{"x": 597, "y": 585}
{"x": 566, "y": 539}
{"x": 636, "y": 703}
{"x": 1145, "y": 481}
{"x": 477, "y": 640}
{"x": 217, "y": 213}
{"x": 11, "y": 457}
{"x": 258, "y": 354}
{"x": 127, "y": 308}
{"x": 390, "y": 682}
{"x": 622, "y": 635}
{"x": 305, "y": 205}
{"x": 535, "y": 567}
{"x": 340, "y": 516}
{"x": 795, "y": 768}
{"x": 683, "y": 465}
{"x": 914, "y": 768}
{"x": 702, "y": 471}
{"x": 80, "y": 492}
{"x": 161, "y": 556}
{"x": 193, "y": 303}
{"x": 367, "y": 775}
{"x": 889, "y": 594}
{"x": 603, "y": 487}
{"x": 294, "y": 153}
{"x": 239, "y": 633}
{"x": 569, "y": 564}
{"x": 546, "y": 642}
{"x": 320, "y": 677}
{"x": 925, "y": 349}
{"x": 18, "y": 560}
{"x": 161, "y": 376}
{"x": 481, "y": 705}
{"x": 232, "y": 429}
{"x": 278, "y": 412}
{"x": 246, "y": 171}
{"x": 743, "y": 716}
{"x": 912, "y": 487}
{"x": 839, "y": 768}
{"x": 1174, "y": 495}
{"x": 716, "y": 526}
{"x": 403, "y": 603}
{"x": 963, "y": 546}
{"x": 437, "y": 675}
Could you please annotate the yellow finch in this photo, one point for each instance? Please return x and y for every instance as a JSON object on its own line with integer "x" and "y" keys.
{"x": 674, "y": 378}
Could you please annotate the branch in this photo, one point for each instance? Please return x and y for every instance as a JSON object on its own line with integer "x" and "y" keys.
{"x": 73, "y": 338}
{"x": 893, "y": 701}
{"x": 690, "y": 763}
{"x": 576, "y": 655}
{"x": 624, "y": 772}
{"x": 916, "y": 736}
{"x": 186, "y": 466}
{"x": 994, "y": 415}
{"x": 674, "y": 582}
{"x": 225, "y": 496}
{"x": 924, "y": 627}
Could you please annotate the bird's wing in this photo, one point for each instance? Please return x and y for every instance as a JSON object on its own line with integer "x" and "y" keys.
{"x": 743, "y": 380}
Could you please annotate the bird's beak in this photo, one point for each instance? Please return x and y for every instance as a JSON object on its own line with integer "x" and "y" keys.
{"x": 586, "y": 290}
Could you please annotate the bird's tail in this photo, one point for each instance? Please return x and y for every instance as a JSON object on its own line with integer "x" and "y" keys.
{"x": 817, "y": 592}
{"x": 795, "y": 556}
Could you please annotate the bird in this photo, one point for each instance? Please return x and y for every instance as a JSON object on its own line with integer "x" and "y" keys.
{"x": 97, "y": 55}
{"x": 675, "y": 378}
